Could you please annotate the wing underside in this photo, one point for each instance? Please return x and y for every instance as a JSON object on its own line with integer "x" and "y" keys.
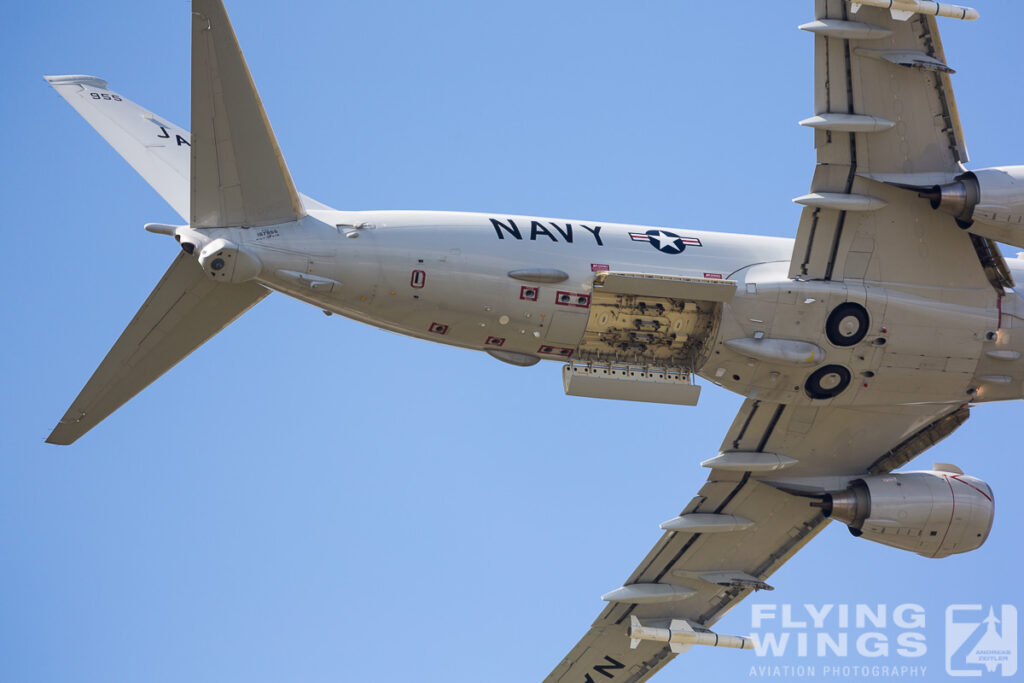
{"x": 885, "y": 119}
{"x": 767, "y": 525}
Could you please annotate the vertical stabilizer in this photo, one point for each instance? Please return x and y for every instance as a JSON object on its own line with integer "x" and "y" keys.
{"x": 238, "y": 173}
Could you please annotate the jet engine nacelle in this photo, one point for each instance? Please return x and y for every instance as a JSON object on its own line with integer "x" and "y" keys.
{"x": 225, "y": 261}
{"x": 934, "y": 513}
{"x": 990, "y": 202}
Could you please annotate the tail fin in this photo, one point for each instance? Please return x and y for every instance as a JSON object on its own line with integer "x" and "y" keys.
{"x": 238, "y": 173}
{"x": 238, "y": 177}
{"x": 184, "y": 310}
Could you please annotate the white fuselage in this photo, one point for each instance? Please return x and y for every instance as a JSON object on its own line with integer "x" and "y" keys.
{"x": 465, "y": 260}
{"x": 445, "y": 277}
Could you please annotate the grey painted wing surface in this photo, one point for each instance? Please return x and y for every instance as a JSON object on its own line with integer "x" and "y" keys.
{"x": 238, "y": 172}
{"x": 182, "y": 313}
{"x": 884, "y": 111}
{"x": 782, "y": 524}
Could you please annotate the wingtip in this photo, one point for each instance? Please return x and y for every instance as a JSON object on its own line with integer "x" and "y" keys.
{"x": 61, "y": 435}
{"x": 76, "y": 79}
{"x": 57, "y": 440}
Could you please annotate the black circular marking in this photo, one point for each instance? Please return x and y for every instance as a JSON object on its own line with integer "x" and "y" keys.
{"x": 217, "y": 264}
{"x": 847, "y": 324}
{"x": 827, "y": 382}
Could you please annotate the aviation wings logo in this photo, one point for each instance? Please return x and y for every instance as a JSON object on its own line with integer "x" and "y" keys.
{"x": 665, "y": 241}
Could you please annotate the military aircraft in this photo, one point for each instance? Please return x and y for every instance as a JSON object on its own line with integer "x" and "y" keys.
{"x": 857, "y": 346}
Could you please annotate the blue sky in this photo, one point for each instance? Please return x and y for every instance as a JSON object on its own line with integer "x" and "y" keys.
{"x": 312, "y": 499}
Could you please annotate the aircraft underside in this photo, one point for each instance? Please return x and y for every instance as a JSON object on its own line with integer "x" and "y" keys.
{"x": 856, "y": 346}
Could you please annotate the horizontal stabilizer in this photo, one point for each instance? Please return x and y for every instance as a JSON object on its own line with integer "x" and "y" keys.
{"x": 152, "y": 145}
{"x": 183, "y": 312}
{"x": 157, "y": 149}
{"x": 238, "y": 173}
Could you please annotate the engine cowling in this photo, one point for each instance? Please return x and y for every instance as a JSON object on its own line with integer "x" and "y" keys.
{"x": 989, "y": 202}
{"x": 932, "y": 513}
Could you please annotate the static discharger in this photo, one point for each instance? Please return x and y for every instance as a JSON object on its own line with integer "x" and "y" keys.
{"x": 904, "y": 9}
{"x": 681, "y": 636}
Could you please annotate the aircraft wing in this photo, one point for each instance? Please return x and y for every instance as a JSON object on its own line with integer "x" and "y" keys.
{"x": 885, "y": 119}
{"x": 760, "y": 526}
{"x": 885, "y": 124}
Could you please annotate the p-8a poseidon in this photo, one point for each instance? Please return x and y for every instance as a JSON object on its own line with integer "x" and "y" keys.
{"x": 857, "y": 346}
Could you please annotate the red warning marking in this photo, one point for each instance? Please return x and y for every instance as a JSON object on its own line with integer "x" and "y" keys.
{"x": 713, "y": 276}
{"x": 418, "y": 279}
{"x": 560, "y": 351}
{"x": 957, "y": 477}
{"x": 528, "y": 293}
{"x": 438, "y": 328}
{"x": 951, "y": 513}
{"x": 495, "y": 341}
{"x": 598, "y": 267}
